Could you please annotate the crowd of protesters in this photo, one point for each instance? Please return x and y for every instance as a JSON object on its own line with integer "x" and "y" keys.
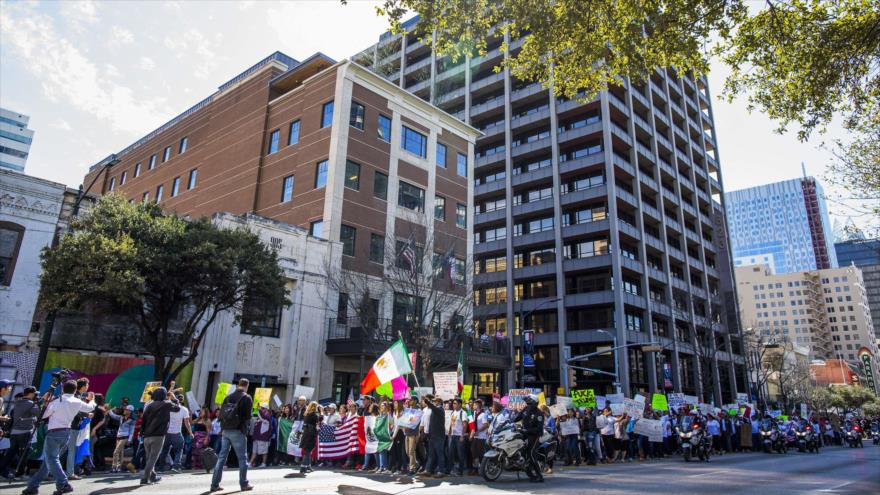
{"x": 448, "y": 438}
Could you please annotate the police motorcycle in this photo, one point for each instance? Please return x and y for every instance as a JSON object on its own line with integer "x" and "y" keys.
{"x": 875, "y": 433}
{"x": 807, "y": 439}
{"x": 853, "y": 435}
{"x": 694, "y": 440}
{"x": 772, "y": 438}
{"x": 508, "y": 451}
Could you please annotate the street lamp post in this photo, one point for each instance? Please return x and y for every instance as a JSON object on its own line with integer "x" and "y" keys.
{"x": 616, "y": 382}
{"x": 522, "y": 321}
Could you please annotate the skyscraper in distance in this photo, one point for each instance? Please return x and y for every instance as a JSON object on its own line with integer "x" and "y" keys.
{"x": 15, "y": 140}
{"x": 784, "y": 225}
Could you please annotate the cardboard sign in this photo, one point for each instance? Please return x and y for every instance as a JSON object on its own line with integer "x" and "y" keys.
{"x": 659, "y": 402}
{"x": 616, "y": 409}
{"x": 148, "y": 389}
{"x": 303, "y": 391}
{"x": 742, "y": 398}
{"x": 446, "y": 384}
{"x": 600, "y": 402}
{"x": 466, "y": 391}
{"x": 639, "y": 398}
{"x": 675, "y": 401}
{"x": 565, "y": 402}
{"x": 614, "y": 398}
{"x": 633, "y": 408}
{"x": 691, "y": 399}
{"x": 651, "y": 428}
{"x": 558, "y": 410}
{"x": 569, "y": 427}
{"x": 194, "y": 406}
{"x": 262, "y": 397}
{"x": 584, "y": 397}
{"x": 223, "y": 389}
{"x": 410, "y": 418}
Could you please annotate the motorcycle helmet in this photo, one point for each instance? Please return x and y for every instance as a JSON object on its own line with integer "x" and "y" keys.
{"x": 530, "y": 399}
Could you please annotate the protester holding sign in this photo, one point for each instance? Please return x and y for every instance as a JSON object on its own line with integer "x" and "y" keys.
{"x": 570, "y": 431}
{"x": 309, "y": 438}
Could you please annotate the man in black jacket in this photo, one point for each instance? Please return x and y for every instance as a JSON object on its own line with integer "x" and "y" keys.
{"x": 235, "y": 412}
{"x": 436, "y": 437}
{"x": 533, "y": 426}
{"x": 154, "y": 426}
{"x": 23, "y": 417}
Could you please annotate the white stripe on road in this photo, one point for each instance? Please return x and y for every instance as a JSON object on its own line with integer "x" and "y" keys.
{"x": 707, "y": 474}
{"x": 835, "y": 488}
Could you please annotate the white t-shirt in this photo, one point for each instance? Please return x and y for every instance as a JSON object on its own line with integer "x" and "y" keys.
{"x": 482, "y": 419}
{"x": 215, "y": 427}
{"x": 426, "y": 419}
{"x": 176, "y": 423}
{"x": 457, "y": 421}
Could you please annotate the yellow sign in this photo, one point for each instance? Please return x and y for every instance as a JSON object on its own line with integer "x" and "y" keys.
{"x": 223, "y": 390}
{"x": 466, "y": 391}
{"x": 261, "y": 397}
{"x": 148, "y": 390}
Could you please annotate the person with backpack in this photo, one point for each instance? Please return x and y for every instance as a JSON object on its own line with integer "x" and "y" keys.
{"x": 154, "y": 427}
{"x": 235, "y": 412}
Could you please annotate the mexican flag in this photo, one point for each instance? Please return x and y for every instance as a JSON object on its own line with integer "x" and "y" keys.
{"x": 394, "y": 363}
{"x": 460, "y": 370}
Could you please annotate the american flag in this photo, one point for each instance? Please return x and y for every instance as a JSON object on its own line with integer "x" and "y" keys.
{"x": 409, "y": 254}
{"x": 336, "y": 442}
{"x": 350, "y": 400}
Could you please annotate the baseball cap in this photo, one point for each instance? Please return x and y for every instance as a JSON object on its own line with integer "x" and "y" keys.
{"x": 130, "y": 408}
{"x": 6, "y": 383}
{"x": 29, "y": 390}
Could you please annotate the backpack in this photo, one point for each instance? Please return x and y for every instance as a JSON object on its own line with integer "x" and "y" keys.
{"x": 229, "y": 417}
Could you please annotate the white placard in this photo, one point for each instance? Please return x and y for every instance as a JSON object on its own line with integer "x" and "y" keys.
{"x": 194, "y": 406}
{"x": 423, "y": 391}
{"x": 569, "y": 427}
{"x": 616, "y": 409}
{"x": 277, "y": 401}
{"x": 639, "y": 398}
{"x": 675, "y": 401}
{"x": 742, "y": 398}
{"x": 446, "y": 384}
{"x": 410, "y": 418}
{"x": 633, "y": 408}
{"x": 600, "y": 402}
{"x": 691, "y": 399}
{"x": 651, "y": 428}
{"x": 303, "y": 391}
{"x": 614, "y": 398}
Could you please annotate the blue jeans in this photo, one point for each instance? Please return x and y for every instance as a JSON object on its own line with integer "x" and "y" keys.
{"x": 457, "y": 454}
{"x": 174, "y": 445}
{"x": 383, "y": 459}
{"x": 436, "y": 455}
{"x": 231, "y": 439}
{"x": 572, "y": 450}
{"x": 367, "y": 458}
{"x": 53, "y": 444}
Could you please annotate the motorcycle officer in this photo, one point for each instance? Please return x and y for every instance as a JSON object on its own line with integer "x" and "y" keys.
{"x": 533, "y": 426}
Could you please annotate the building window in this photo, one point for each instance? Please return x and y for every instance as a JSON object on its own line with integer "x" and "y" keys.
{"x": 145, "y": 196}
{"x": 175, "y": 187}
{"x": 11, "y": 235}
{"x": 384, "y": 128}
{"x": 356, "y": 117}
{"x": 380, "y": 186}
{"x": 321, "y": 174}
{"x": 316, "y": 229}
{"x": 347, "y": 237}
{"x": 159, "y": 191}
{"x": 184, "y": 141}
{"x": 112, "y": 183}
{"x": 293, "y": 137}
{"x": 461, "y": 165}
{"x": 461, "y": 216}
{"x": 274, "y": 137}
{"x": 342, "y": 309}
{"x": 410, "y": 196}
{"x": 152, "y": 162}
{"x": 261, "y": 318}
{"x": 327, "y": 114}
{"x": 415, "y": 142}
{"x": 377, "y": 248}
{"x": 287, "y": 189}
{"x": 123, "y": 177}
{"x": 137, "y": 170}
{"x": 166, "y": 154}
{"x": 193, "y": 176}
{"x": 440, "y": 208}
{"x": 352, "y": 175}
{"x": 441, "y": 155}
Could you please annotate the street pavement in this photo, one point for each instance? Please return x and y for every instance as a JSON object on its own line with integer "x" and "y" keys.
{"x": 837, "y": 470}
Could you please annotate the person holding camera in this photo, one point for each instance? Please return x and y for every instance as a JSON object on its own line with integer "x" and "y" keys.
{"x": 60, "y": 413}
{"x": 23, "y": 417}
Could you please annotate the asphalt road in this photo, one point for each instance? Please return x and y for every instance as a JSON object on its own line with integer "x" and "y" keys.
{"x": 836, "y": 470}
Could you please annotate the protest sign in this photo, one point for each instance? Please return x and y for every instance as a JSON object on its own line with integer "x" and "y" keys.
{"x": 446, "y": 384}
{"x": 614, "y": 398}
{"x": 616, "y": 409}
{"x": 148, "y": 390}
{"x": 261, "y": 397}
{"x": 742, "y": 398}
{"x": 277, "y": 401}
{"x": 566, "y": 402}
{"x": 659, "y": 403}
{"x": 705, "y": 409}
{"x": 303, "y": 391}
{"x": 516, "y": 398}
{"x": 773, "y": 413}
{"x": 584, "y": 397}
{"x": 410, "y": 418}
{"x": 633, "y": 408}
{"x": 675, "y": 401}
{"x": 423, "y": 391}
{"x": 569, "y": 427}
{"x": 803, "y": 410}
{"x": 691, "y": 399}
{"x": 651, "y": 428}
{"x": 223, "y": 389}
{"x": 466, "y": 391}
{"x": 558, "y": 410}
{"x": 783, "y": 417}
{"x": 639, "y": 398}
{"x": 194, "y": 406}
{"x": 600, "y": 402}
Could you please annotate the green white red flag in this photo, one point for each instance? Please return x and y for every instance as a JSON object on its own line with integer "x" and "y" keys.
{"x": 394, "y": 363}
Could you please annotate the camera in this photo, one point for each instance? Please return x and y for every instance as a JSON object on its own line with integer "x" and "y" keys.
{"x": 60, "y": 376}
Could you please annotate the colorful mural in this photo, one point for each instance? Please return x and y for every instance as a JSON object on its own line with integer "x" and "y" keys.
{"x": 114, "y": 376}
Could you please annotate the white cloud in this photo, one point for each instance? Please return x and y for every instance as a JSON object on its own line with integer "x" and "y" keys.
{"x": 69, "y": 77}
{"x": 79, "y": 14}
{"x": 61, "y": 124}
{"x": 147, "y": 64}
{"x": 246, "y": 4}
{"x": 121, "y": 35}
{"x": 196, "y": 48}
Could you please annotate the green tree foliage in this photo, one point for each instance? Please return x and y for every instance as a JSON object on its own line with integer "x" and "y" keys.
{"x": 871, "y": 409}
{"x": 170, "y": 277}
{"x": 802, "y": 62}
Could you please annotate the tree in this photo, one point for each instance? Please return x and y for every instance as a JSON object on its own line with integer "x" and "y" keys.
{"x": 169, "y": 277}
{"x": 853, "y": 397}
{"x": 871, "y": 409}
{"x": 801, "y": 62}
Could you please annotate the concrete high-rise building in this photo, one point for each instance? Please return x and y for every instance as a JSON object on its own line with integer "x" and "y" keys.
{"x": 595, "y": 222}
{"x": 15, "y": 140}
{"x": 865, "y": 254}
{"x": 826, "y": 310}
{"x": 784, "y": 225}
{"x": 347, "y": 156}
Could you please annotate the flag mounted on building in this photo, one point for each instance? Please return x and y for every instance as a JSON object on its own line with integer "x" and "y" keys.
{"x": 392, "y": 364}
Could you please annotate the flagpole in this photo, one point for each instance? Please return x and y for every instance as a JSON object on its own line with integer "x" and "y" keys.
{"x": 415, "y": 377}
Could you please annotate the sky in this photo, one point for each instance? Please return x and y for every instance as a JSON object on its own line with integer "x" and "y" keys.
{"x": 96, "y": 76}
